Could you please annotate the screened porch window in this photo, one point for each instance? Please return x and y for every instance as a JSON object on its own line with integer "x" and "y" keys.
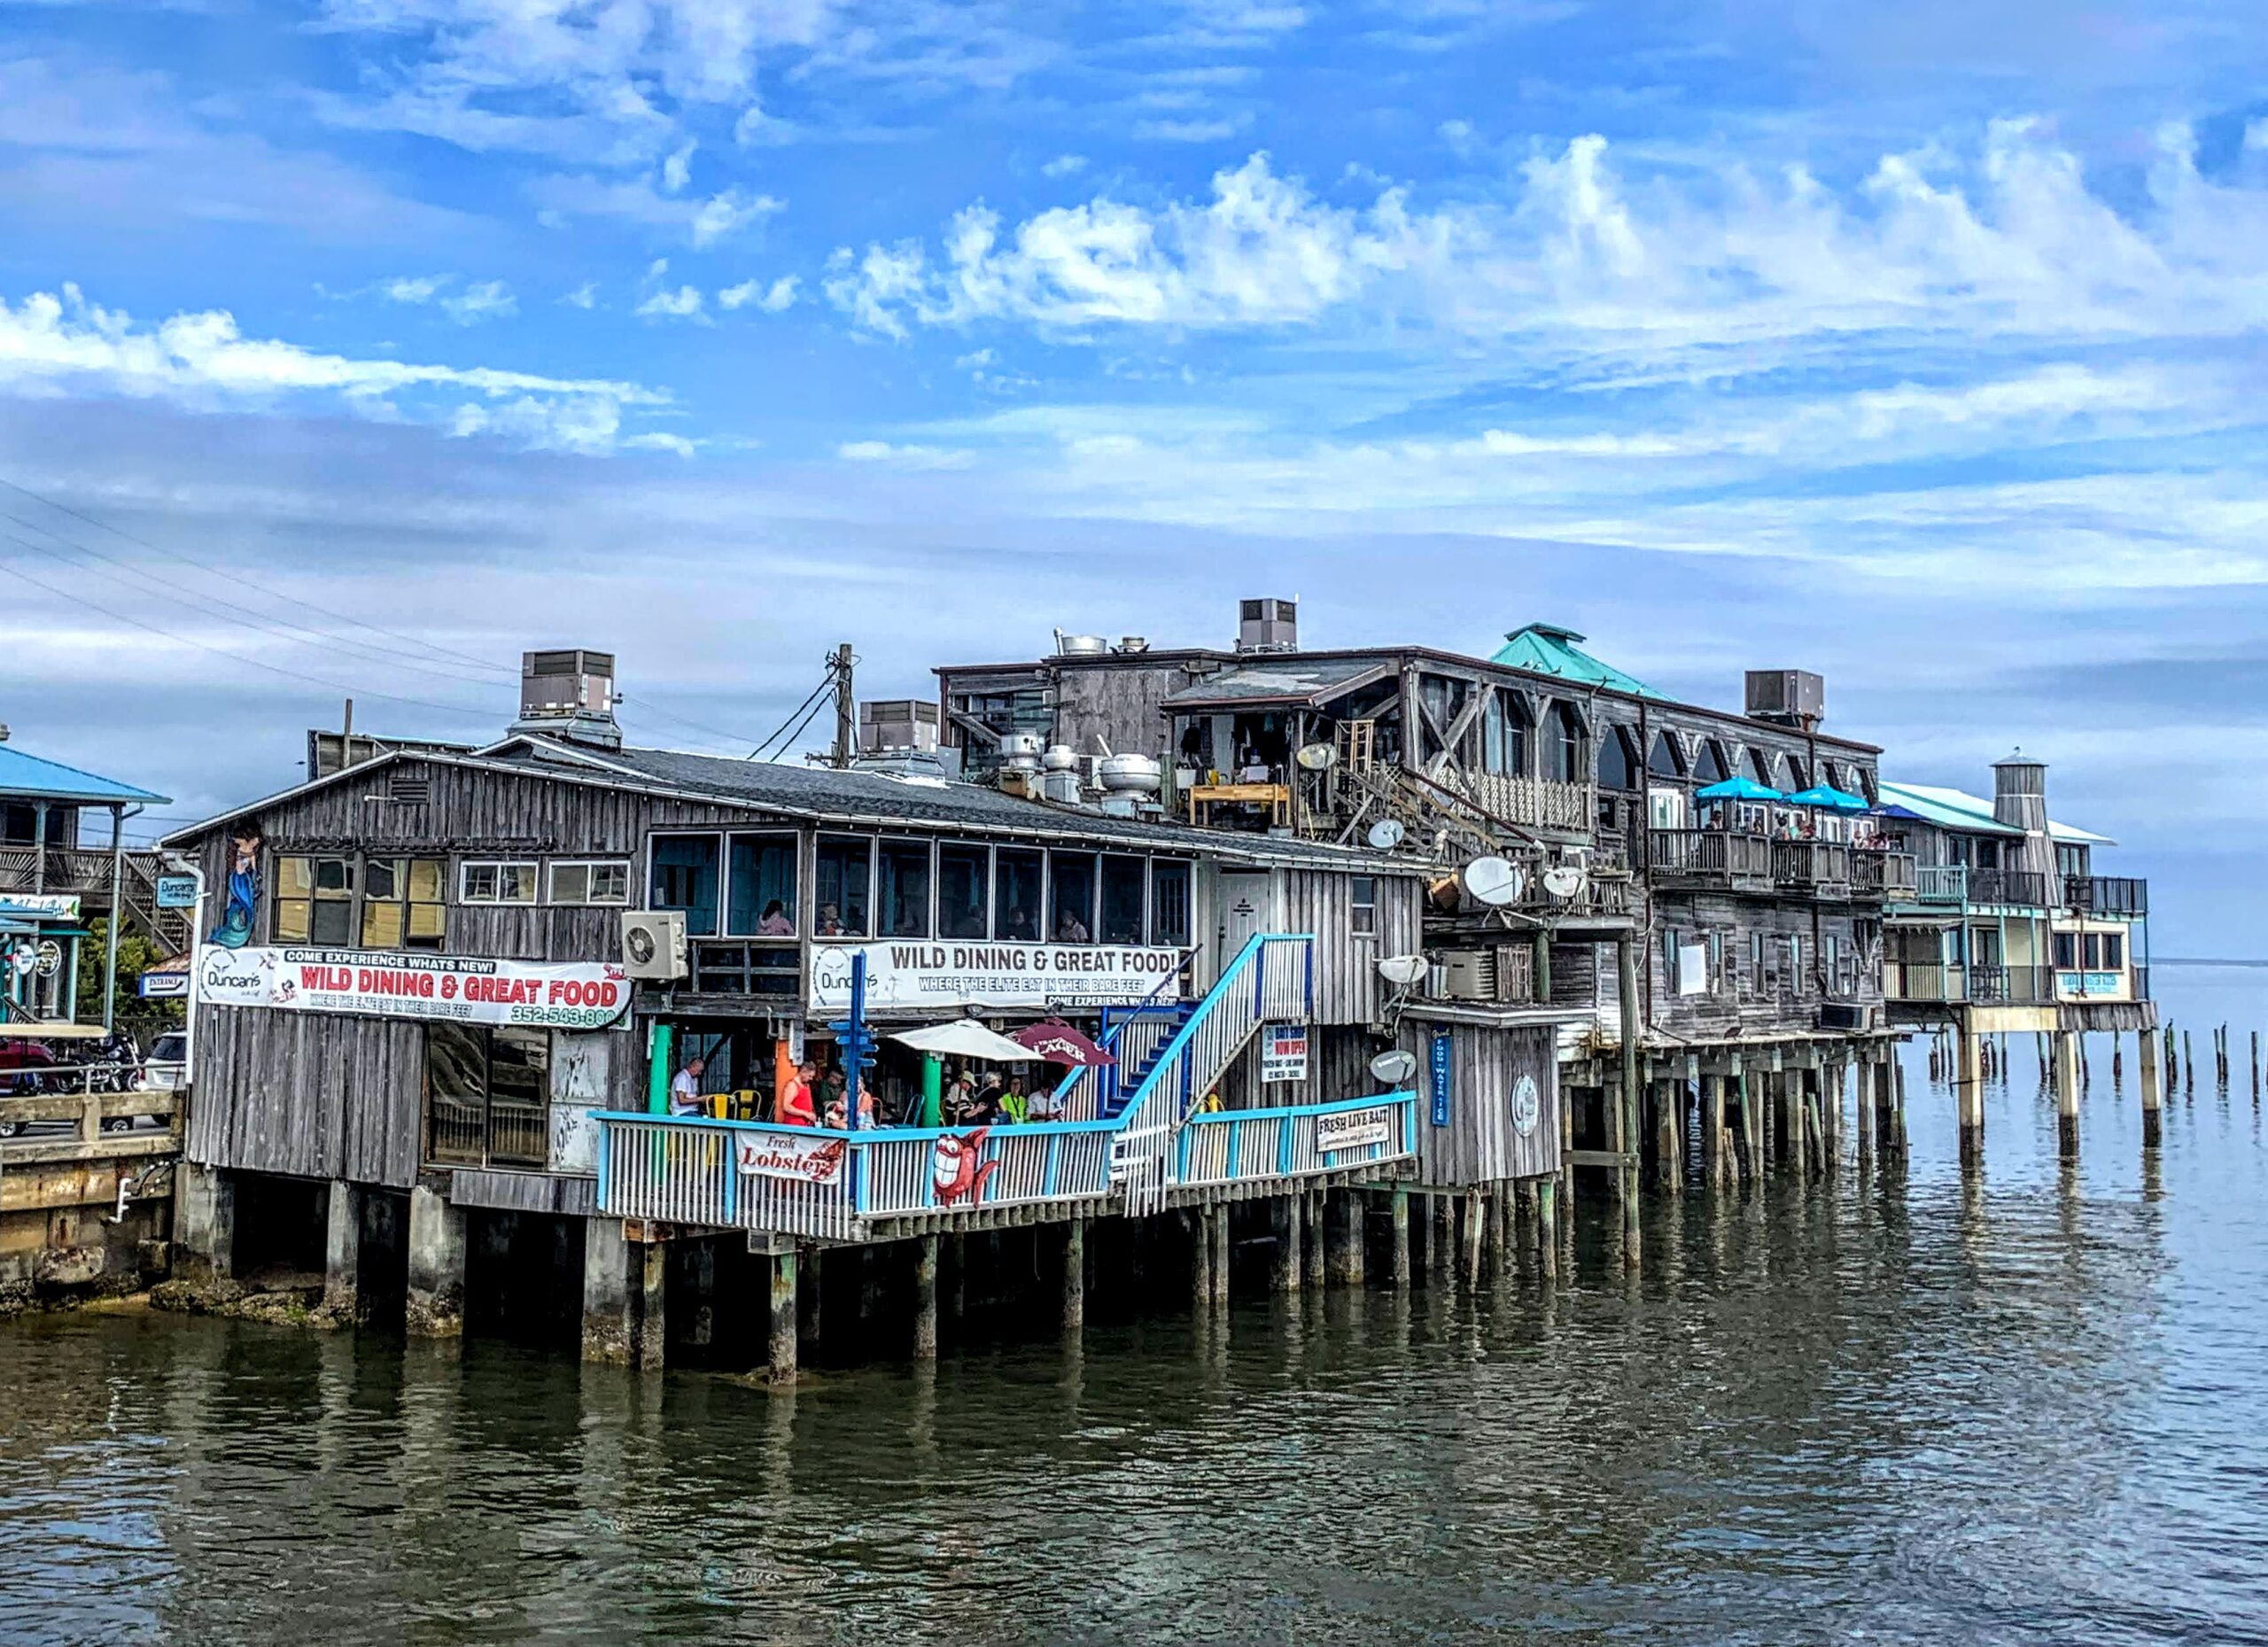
{"x": 905, "y": 894}
{"x": 1169, "y": 911}
{"x": 685, "y": 878}
{"x": 843, "y": 885}
{"x": 1617, "y": 766}
{"x": 1563, "y": 746}
{"x": 760, "y": 887}
{"x": 964, "y": 890}
{"x": 1017, "y": 879}
{"x": 1123, "y": 892}
{"x": 1071, "y": 907}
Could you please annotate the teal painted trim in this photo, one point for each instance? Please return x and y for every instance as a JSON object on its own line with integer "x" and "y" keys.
{"x": 1046, "y": 1178}
{"x": 731, "y": 1185}
{"x": 1283, "y": 1150}
{"x": 871, "y": 1134}
{"x": 1339, "y": 1107}
{"x": 1236, "y": 1143}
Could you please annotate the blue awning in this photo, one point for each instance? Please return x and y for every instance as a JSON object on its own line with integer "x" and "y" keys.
{"x": 1739, "y": 788}
{"x": 1827, "y": 796}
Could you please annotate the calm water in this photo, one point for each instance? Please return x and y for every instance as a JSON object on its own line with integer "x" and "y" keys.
{"x": 2030, "y": 1409}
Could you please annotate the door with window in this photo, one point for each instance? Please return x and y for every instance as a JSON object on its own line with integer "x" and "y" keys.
{"x": 1247, "y": 909}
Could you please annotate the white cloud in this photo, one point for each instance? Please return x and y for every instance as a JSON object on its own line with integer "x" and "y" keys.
{"x": 1574, "y": 263}
{"x": 773, "y": 299}
{"x": 582, "y": 296}
{"x": 678, "y": 444}
{"x": 1064, "y": 166}
{"x": 563, "y": 196}
{"x": 418, "y": 289}
{"x": 918, "y": 457}
{"x": 677, "y": 171}
{"x": 486, "y": 299}
{"x": 51, "y": 344}
{"x": 1215, "y": 130}
{"x": 683, "y": 304}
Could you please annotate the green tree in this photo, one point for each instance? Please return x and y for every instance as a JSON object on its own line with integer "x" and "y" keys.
{"x": 145, "y": 1020}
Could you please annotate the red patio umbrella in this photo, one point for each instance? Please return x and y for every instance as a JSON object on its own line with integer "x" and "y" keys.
{"x": 1059, "y": 1043}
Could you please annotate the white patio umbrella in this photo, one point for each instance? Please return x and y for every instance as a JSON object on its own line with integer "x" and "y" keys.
{"x": 965, "y": 1038}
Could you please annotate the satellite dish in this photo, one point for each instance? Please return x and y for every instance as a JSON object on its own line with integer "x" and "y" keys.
{"x": 1384, "y": 835}
{"x": 1402, "y": 969}
{"x": 1393, "y": 1069}
{"x": 1495, "y": 882}
{"x": 1563, "y": 879}
{"x": 1317, "y": 756}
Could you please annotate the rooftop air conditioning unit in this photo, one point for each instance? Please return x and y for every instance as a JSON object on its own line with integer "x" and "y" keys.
{"x": 897, "y": 724}
{"x": 1787, "y": 697}
{"x": 1268, "y": 626}
{"x": 1471, "y": 974}
{"x": 653, "y": 944}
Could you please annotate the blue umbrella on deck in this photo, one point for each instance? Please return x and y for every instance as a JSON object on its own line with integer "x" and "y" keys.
{"x": 1827, "y": 797}
{"x": 1739, "y": 788}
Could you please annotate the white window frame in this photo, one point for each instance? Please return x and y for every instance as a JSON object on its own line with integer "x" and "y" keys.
{"x": 551, "y": 882}
{"x": 1356, "y": 903}
{"x": 533, "y": 869}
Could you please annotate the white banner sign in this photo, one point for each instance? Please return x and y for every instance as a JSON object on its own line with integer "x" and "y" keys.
{"x": 781, "y": 1155}
{"x": 40, "y": 906}
{"x": 1353, "y": 1129}
{"x": 467, "y": 989}
{"x": 1284, "y": 1052}
{"x": 902, "y": 975}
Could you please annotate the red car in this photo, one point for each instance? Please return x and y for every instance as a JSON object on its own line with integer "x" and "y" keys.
{"x": 24, "y": 1066}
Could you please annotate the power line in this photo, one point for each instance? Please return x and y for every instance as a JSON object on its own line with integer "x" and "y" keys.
{"x": 458, "y": 709}
{"x": 318, "y": 639}
{"x": 824, "y": 699}
{"x": 488, "y": 664}
{"x": 816, "y": 693}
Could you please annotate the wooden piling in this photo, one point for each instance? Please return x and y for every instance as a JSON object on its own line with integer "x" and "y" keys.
{"x": 925, "y": 1297}
{"x": 1473, "y": 1238}
{"x": 780, "y": 1360}
{"x": 1626, "y": 965}
{"x": 1547, "y": 1227}
{"x": 2066, "y": 1060}
{"x": 2146, "y": 1077}
{"x": 1218, "y": 1228}
{"x": 1969, "y": 1100}
{"x": 1074, "y": 1279}
{"x": 1346, "y": 1231}
{"x": 1284, "y": 1275}
{"x": 1399, "y": 1252}
{"x": 1316, "y": 1235}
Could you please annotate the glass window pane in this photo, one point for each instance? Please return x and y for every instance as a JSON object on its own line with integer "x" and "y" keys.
{"x": 295, "y": 877}
{"x": 1122, "y": 880}
{"x": 1365, "y": 905}
{"x": 381, "y": 877}
{"x": 845, "y": 868}
{"x": 964, "y": 891}
{"x": 480, "y": 883}
{"x": 332, "y": 923}
{"x": 292, "y": 919}
{"x": 571, "y": 883}
{"x": 515, "y": 883}
{"x": 1170, "y": 903}
{"x": 381, "y": 926}
{"x": 456, "y": 1092}
{"x": 520, "y": 1065}
{"x": 762, "y": 886}
{"x": 1071, "y": 897}
{"x": 609, "y": 883}
{"x": 906, "y": 889}
{"x": 334, "y": 876}
{"x": 426, "y": 878}
{"x": 685, "y": 877}
{"x": 1016, "y": 888}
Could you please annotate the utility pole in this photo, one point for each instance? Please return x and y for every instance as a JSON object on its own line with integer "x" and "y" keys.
{"x": 846, "y": 710}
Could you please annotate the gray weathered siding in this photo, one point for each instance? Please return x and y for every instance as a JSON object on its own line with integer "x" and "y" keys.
{"x": 1479, "y": 1145}
{"x": 308, "y": 1093}
{"x": 1347, "y": 986}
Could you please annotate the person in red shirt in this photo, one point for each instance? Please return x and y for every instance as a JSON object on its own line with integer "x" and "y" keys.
{"x": 795, "y": 1106}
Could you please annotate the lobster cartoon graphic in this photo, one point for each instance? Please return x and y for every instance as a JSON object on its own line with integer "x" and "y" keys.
{"x": 955, "y": 1169}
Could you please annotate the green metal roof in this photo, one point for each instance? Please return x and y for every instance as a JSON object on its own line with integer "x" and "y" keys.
{"x": 1549, "y": 649}
{"x": 1957, "y": 809}
{"x": 29, "y": 776}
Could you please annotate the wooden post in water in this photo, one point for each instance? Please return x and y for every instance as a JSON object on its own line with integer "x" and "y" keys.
{"x": 1546, "y": 1226}
{"x": 2145, "y": 1077}
{"x": 1219, "y": 1229}
{"x": 1441, "y": 1236}
{"x": 1752, "y": 1130}
{"x": 1862, "y": 1112}
{"x": 925, "y": 1297}
{"x": 1473, "y": 1238}
{"x": 1969, "y": 1097}
{"x": 1346, "y": 1228}
{"x": 1284, "y": 1276}
{"x": 780, "y": 1360}
{"x": 1712, "y": 1131}
{"x": 1316, "y": 1238}
{"x": 2188, "y": 1066}
{"x": 1199, "y": 1223}
{"x": 1074, "y": 1279}
{"x": 1399, "y": 1252}
{"x": 2255, "y": 1067}
{"x": 2066, "y": 1056}
{"x": 1626, "y": 970}
{"x": 1669, "y": 1136}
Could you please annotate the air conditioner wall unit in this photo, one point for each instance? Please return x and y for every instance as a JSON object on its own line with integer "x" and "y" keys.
{"x": 1471, "y": 974}
{"x": 652, "y": 944}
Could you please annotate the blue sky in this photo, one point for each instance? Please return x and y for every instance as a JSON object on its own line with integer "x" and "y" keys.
{"x": 1918, "y": 344}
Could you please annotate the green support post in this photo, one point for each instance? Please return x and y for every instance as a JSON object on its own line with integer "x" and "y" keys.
{"x": 658, "y": 1072}
{"x": 933, "y": 1090}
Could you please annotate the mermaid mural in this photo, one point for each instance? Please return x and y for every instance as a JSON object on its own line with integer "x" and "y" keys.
{"x": 243, "y": 902}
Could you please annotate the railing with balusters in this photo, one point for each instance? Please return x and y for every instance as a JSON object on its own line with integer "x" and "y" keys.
{"x": 1240, "y": 1146}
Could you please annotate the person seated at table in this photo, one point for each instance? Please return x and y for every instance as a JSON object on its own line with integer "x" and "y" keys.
{"x": 1068, "y": 927}
{"x": 830, "y": 921}
{"x": 954, "y": 1096}
{"x": 794, "y": 1108}
{"x": 1015, "y": 1108}
{"x": 774, "y": 923}
{"x": 685, "y": 1097}
{"x": 838, "y": 1116}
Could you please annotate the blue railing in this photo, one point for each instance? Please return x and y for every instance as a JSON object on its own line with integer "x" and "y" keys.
{"x": 1298, "y": 1141}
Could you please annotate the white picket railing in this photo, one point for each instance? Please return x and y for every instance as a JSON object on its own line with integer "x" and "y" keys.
{"x": 1272, "y": 980}
{"x": 1238, "y": 1145}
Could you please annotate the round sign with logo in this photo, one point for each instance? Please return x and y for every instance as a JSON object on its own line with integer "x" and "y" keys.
{"x": 1526, "y": 1107}
{"x": 24, "y": 958}
{"x": 48, "y": 960}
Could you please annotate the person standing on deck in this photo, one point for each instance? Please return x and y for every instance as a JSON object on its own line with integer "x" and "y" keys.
{"x": 794, "y": 1108}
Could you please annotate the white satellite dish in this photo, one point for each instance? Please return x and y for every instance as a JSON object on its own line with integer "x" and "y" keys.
{"x": 1563, "y": 879}
{"x": 1317, "y": 756}
{"x": 1495, "y": 882}
{"x": 1384, "y": 835}
{"x": 1393, "y": 1069}
{"x": 1402, "y": 969}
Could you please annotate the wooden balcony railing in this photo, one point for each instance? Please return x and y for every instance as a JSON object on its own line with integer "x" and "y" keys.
{"x": 1819, "y": 866}
{"x": 1890, "y": 875}
{"x": 1533, "y": 803}
{"x": 1719, "y": 858}
{"x": 1941, "y": 883}
{"x": 2107, "y": 895}
{"x": 2015, "y": 888}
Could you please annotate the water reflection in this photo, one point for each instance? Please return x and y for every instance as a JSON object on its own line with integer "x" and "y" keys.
{"x": 1914, "y": 1407}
